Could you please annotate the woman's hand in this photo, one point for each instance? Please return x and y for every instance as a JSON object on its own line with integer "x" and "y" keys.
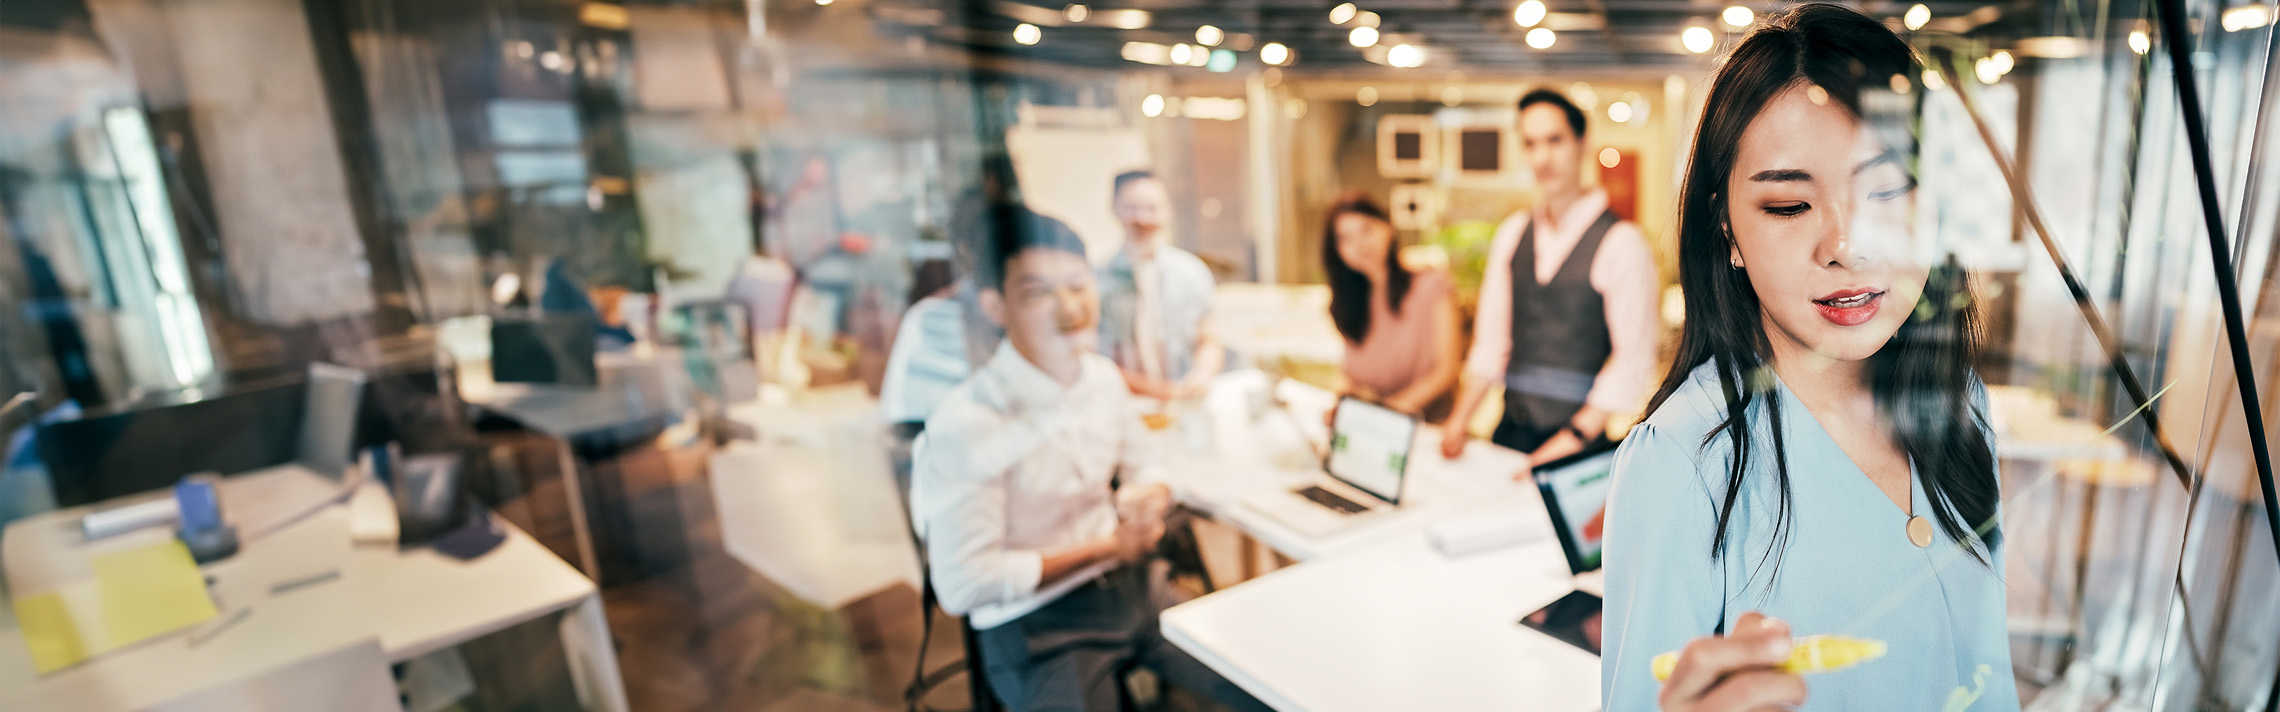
{"x": 1736, "y": 671}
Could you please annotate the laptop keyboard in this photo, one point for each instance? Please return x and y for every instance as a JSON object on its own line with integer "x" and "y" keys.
{"x": 1329, "y": 499}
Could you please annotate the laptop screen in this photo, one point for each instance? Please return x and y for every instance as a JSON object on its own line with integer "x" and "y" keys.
{"x": 1575, "y": 495}
{"x": 1369, "y": 447}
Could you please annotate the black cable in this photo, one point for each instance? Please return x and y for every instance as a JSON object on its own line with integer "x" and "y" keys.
{"x": 2180, "y": 51}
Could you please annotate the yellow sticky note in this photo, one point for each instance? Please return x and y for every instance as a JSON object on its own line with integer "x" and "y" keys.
{"x": 48, "y": 631}
{"x": 148, "y": 591}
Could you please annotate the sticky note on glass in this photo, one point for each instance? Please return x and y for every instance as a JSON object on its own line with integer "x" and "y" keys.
{"x": 137, "y": 593}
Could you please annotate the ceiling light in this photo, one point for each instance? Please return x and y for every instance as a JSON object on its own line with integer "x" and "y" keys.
{"x": 1215, "y": 108}
{"x": 1933, "y": 80}
{"x": 1209, "y": 35}
{"x": 1697, "y": 39}
{"x": 1368, "y": 19}
{"x": 1917, "y": 17}
{"x": 1076, "y": 12}
{"x": 1405, "y": 56}
{"x": 1737, "y": 17}
{"x": 1182, "y": 52}
{"x": 1199, "y": 56}
{"x": 1146, "y": 53}
{"x": 1583, "y": 95}
{"x": 1343, "y": 13}
{"x": 1528, "y": 13}
{"x": 1367, "y": 96}
{"x": 2002, "y": 61}
{"x": 1541, "y": 38}
{"x": 1619, "y": 112}
{"x": 1128, "y": 19}
{"x": 2139, "y": 42}
{"x": 1362, "y": 36}
{"x": 1027, "y": 34}
{"x": 1153, "y": 106}
{"x": 1274, "y": 53}
{"x": 1610, "y": 158}
{"x": 823, "y": 2}
{"x": 1900, "y": 84}
{"x": 2245, "y": 17}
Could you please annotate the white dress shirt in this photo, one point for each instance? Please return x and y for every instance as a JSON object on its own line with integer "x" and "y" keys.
{"x": 1155, "y": 309}
{"x": 1015, "y": 466}
{"x": 1624, "y": 274}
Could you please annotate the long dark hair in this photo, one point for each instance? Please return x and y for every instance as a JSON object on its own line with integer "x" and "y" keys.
{"x": 1921, "y": 378}
{"x": 1349, "y": 288}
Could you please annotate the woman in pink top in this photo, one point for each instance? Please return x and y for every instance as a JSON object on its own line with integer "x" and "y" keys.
{"x": 1400, "y": 325}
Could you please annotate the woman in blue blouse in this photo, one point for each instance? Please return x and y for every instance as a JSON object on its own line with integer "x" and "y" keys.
{"x": 1817, "y": 461}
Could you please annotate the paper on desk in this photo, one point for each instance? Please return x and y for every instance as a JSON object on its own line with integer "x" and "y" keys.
{"x": 137, "y": 593}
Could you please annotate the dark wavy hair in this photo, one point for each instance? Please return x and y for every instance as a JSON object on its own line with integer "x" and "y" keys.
{"x": 1921, "y": 378}
{"x": 1349, "y": 288}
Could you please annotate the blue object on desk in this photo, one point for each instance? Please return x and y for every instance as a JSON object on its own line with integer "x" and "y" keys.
{"x": 200, "y": 523}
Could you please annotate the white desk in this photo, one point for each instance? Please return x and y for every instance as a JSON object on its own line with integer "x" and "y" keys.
{"x": 1248, "y": 455}
{"x": 411, "y": 602}
{"x": 1394, "y": 625}
{"x": 812, "y": 504}
{"x": 1373, "y": 617}
{"x": 640, "y": 387}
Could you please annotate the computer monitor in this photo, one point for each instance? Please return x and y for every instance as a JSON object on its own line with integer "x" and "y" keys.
{"x": 1575, "y": 495}
{"x": 1369, "y": 448}
{"x": 328, "y": 418}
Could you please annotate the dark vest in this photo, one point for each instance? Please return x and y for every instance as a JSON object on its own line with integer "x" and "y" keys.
{"x": 1559, "y": 333}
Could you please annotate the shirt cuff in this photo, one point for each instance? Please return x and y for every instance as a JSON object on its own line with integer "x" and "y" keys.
{"x": 1024, "y": 571}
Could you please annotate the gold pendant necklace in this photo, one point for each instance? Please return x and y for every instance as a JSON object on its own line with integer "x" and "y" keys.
{"x": 1919, "y": 531}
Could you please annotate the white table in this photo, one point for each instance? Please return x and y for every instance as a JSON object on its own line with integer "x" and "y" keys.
{"x": 1373, "y": 617}
{"x": 638, "y": 387}
{"x": 812, "y": 505}
{"x": 411, "y": 602}
{"x": 1395, "y": 625}
{"x": 1250, "y": 452}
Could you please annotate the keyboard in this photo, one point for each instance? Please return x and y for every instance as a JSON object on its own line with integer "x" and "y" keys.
{"x": 1326, "y": 498}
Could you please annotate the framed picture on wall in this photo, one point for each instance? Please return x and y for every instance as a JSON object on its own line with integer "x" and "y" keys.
{"x": 1482, "y": 154}
{"x": 1407, "y": 146}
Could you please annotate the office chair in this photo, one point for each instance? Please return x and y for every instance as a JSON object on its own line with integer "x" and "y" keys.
{"x": 922, "y": 681}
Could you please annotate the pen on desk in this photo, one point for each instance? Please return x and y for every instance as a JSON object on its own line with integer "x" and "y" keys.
{"x": 1811, "y": 654}
{"x": 290, "y": 585}
{"x": 199, "y": 638}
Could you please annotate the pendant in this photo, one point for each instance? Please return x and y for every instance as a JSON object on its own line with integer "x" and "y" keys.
{"x": 1920, "y": 532}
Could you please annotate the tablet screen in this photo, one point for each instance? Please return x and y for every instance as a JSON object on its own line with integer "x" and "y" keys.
{"x": 1369, "y": 447}
{"x": 1576, "y": 497}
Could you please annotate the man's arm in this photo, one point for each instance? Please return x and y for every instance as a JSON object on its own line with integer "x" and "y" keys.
{"x": 1492, "y": 335}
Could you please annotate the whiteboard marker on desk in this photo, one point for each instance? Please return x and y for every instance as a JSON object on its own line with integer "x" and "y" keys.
{"x": 119, "y": 520}
{"x": 1812, "y": 653}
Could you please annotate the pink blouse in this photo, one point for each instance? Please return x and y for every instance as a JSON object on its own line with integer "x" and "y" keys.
{"x": 1400, "y": 347}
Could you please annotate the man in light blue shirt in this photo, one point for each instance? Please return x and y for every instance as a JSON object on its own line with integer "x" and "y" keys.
{"x": 1156, "y": 299}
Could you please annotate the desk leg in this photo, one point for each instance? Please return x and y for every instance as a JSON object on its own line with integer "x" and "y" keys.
{"x": 1249, "y": 556}
{"x": 575, "y": 489}
{"x": 593, "y": 658}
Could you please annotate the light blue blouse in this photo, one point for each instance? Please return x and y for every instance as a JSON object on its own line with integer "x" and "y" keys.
{"x": 1848, "y": 567}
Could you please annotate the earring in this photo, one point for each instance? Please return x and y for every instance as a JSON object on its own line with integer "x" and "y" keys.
{"x": 1734, "y": 261}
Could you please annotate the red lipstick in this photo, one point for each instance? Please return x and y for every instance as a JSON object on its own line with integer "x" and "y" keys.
{"x": 1850, "y": 307}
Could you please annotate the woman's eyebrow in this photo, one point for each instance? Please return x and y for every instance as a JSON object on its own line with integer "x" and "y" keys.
{"x": 1782, "y": 175}
{"x": 1888, "y": 156}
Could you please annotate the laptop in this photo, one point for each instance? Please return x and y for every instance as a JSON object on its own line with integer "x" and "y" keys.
{"x": 1361, "y": 475}
{"x": 1575, "y": 492}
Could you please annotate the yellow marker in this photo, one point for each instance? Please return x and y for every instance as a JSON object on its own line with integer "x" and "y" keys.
{"x": 1813, "y": 653}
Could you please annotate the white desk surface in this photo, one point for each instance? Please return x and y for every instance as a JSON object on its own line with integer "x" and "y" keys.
{"x": 1394, "y": 625}
{"x": 411, "y": 602}
{"x": 1373, "y": 617}
{"x": 1249, "y": 455}
{"x": 634, "y": 385}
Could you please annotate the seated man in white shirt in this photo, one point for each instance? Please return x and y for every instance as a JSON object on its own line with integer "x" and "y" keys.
{"x": 1026, "y": 532}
